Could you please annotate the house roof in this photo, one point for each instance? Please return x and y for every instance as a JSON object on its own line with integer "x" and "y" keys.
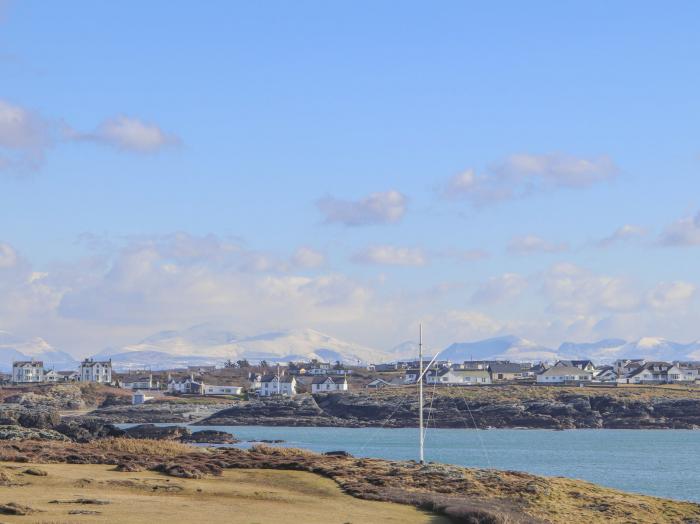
{"x": 563, "y": 370}
{"x": 649, "y": 367}
{"x": 327, "y": 378}
{"x": 33, "y": 363}
{"x": 469, "y": 372}
{"x": 506, "y": 368}
{"x": 283, "y": 379}
{"x": 90, "y": 363}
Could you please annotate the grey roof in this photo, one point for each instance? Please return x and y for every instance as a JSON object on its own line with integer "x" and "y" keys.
{"x": 34, "y": 363}
{"x": 564, "y": 370}
{"x": 283, "y": 379}
{"x": 327, "y": 378}
{"x": 506, "y": 368}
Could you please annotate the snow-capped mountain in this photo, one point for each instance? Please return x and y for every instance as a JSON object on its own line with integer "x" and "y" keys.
{"x": 607, "y": 349}
{"x": 15, "y": 348}
{"x": 205, "y": 344}
{"x": 507, "y": 347}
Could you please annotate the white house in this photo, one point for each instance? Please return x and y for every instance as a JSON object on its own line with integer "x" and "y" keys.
{"x": 653, "y": 373}
{"x": 185, "y": 385}
{"x": 99, "y": 371}
{"x": 328, "y": 384}
{"x": 585, "y": 365}
{"x": 221, "y": 389}
{"x": 27, "y": 371}
{"x": 52, "y": 376}
{"x": 459, "y": 377}
{"x": 378, "y": 383}
{"x": 322, "y": 368}
{"x": 564, "y": 375}
{"x": 274, "y": 385}
{"x": 138, "y": 382}
{"x": 604, "y": 374}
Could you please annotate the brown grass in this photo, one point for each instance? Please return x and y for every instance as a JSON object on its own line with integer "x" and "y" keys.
{"x": 136, "y": 447}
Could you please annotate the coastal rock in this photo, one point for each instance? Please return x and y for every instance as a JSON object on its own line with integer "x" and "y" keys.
{"x": 210, "y": 436}
{"x": 22, "y": 433}
{"x": 85, "y": 429}
{"x": 153, "y": 432}
{"x": 564, "y": 411}
{"x": 29, "y": 417}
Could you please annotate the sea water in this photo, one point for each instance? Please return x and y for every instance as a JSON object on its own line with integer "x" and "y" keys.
{"x": 664, "y": 463}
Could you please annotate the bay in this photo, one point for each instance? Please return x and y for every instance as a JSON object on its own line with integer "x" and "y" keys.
{"x": 663, "y": 463}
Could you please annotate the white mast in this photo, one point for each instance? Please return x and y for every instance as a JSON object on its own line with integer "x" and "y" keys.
{"x": 420, "y": 390}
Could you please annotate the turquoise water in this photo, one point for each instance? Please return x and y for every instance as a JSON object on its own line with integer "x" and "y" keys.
{"x": 665, "y": 463}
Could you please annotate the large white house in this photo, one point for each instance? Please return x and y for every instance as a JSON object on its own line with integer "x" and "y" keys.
{"x": 278, "y": 385}
{"x": 99, "y": 371}
{"x": 328, "y": 384}
{"x": 653, "y": 373}
{"x": 564, "y": 375}
{"x": 459, "y": 377}
{"x": 27, "y": 371}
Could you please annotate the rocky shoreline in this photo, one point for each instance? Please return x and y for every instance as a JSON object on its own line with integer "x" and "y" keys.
{"x": 566, "y": 411}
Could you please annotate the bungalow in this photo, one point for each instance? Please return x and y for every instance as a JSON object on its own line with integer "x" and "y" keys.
{"x": 139, "y": 382}
{"x": 378, "y": 383}
{"x": 185, "y": 385}
{"x": 411, "y": 376}
{"x": 507, "y": 371}
{"x": 68, "y": 376}
{"x": 278, "y": 385}
{"x": 52, "y": 376}
{"x": 461, "y": 377}
{"x": 626, "y": 366}
{"x": 27, "y": 371}
{"x": 221, "y": 389}
{"x": 564, "y": 375}
{"x": 585, "y": 365}
{"x": 604, "y": 374}
{"x": 322, "y": 368}
{"x": 327, "y": 384}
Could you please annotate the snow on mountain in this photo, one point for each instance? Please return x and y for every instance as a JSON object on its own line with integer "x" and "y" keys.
{"x": 507, "y": 347}
{"x": 606, "y": 349}
{"x": 15, "y": 348}
{"x": 206, "y": 344}
{"x": 654, "y": 348}
{"x": 406, "y": 351}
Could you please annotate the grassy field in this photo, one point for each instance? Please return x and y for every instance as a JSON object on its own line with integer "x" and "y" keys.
{"x": 241, "y": 496}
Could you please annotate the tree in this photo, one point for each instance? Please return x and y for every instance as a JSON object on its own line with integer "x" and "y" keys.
{"x": 243, "y": 363}
{"x": 263, "y": 364}
{"x": 230, "y": 364}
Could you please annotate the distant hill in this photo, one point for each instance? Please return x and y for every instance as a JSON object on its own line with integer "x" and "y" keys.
{"x": 15, "y": 348}
{"x": 205, "y": 344}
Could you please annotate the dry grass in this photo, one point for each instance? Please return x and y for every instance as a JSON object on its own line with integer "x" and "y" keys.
{"x": 136, "y": 447}
{"x": 245, "y": 496}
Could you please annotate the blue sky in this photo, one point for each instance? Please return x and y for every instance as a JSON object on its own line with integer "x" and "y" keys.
{"x": 352, "y": 167}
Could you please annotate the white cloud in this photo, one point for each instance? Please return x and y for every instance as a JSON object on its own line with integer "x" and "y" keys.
{"x": 502, "y": 288}
{"x": 8, "y": 256}
{"x": 623, "y": 234}
{"x": 572, "y": 289}
{"x": 683, "y": 232}
{"x": 132, "y": 134}
{"x": 671, "y": 295}
{"x": 377, "y": 208}
{"x": 530, "y": 244}
{"x": 308, "y": 258}
{"x": 391, "y": 255}
{"x": 525, "y": 174}
{"x": 464, "y": 255}
{"x": 24, "y": 138}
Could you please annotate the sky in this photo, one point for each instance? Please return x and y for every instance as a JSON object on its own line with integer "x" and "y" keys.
{"x": 486, "y": 168}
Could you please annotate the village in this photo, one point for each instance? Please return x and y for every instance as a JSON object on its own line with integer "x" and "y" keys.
{"x": 241, "y": 378}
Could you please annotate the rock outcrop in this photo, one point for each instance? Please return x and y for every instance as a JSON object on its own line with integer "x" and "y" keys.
{"x": 565, "y": 411}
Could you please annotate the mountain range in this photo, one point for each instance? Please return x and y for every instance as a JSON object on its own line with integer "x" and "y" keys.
{"x": 206, "y": 344}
